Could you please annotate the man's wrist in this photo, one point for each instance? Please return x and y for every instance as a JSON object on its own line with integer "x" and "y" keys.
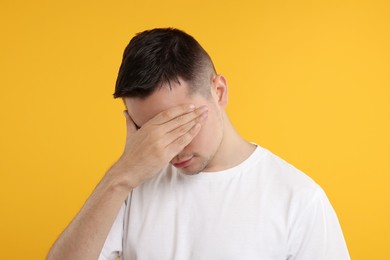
{"x": 121, "y": 179}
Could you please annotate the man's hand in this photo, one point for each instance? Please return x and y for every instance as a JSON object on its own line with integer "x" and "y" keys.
{"x": 152, "y": 146}
{"x": 147, "y": 150}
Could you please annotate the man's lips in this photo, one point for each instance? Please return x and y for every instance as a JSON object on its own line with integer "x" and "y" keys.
{"x": 183, "y": 163}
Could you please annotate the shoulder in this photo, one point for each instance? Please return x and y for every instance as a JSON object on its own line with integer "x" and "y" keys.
{"x": 282, "y": 175}
{"x": 288, "y": 190}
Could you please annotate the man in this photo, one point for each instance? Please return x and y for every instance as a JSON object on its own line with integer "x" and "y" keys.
{"x": 187, "y": 185}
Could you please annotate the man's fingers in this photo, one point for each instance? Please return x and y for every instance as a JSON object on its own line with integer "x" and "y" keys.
{"x": 178, "y": 145}
{"x": 184, "y": 119}
{"x": 168, "y": 115}
{"x": 131, "y": 127}
{"x": 176, "y": 117}
{"x": 184, "y": 128}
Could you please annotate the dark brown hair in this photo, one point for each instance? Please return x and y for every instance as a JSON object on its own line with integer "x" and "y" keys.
{"x": 159, "y": 56}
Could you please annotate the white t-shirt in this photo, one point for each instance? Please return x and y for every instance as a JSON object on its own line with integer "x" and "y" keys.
{"x": 263, "y": 209}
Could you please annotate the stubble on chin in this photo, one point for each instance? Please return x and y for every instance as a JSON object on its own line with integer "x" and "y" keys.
{"x": 199, "y": 169}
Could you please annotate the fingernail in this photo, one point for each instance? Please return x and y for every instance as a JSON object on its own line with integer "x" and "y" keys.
{"x": 204, "y": 115}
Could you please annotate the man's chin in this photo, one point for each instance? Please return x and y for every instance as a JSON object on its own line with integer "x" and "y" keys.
{"x": 189, "y": 172}
{"x": 193, "y": 169}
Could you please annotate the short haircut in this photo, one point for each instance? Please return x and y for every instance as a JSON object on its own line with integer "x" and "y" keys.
{"x": 161, "y": 56}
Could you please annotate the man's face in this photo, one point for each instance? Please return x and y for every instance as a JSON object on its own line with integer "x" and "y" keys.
{"x": 198, "y": 155}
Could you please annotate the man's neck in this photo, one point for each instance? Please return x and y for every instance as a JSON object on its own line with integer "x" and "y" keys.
{"x": 233, "y": 149}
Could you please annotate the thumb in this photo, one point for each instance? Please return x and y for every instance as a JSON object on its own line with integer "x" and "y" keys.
{"x": 131, "y": 127}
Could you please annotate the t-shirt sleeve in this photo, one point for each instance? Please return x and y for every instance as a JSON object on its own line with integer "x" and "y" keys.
{"x": 316, "y": 232}
{"x": 113, "y": 245}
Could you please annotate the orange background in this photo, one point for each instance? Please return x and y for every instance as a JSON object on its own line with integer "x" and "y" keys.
{"x": 309, "y": 80}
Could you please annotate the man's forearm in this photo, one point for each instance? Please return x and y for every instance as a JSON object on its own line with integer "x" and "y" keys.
{"x": 86, "y": 234}
{"x": 146, "y": 152}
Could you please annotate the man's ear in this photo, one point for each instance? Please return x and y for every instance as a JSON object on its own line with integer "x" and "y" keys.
{"x": 220, "y": 90}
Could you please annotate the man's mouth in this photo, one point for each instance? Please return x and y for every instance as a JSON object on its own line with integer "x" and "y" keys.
{"x": 183, "y": 163}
